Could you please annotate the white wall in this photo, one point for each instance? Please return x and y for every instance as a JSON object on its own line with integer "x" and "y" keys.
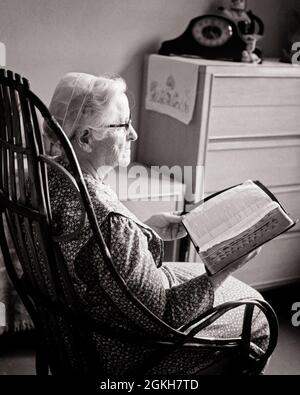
{"x": 47, "y": 38}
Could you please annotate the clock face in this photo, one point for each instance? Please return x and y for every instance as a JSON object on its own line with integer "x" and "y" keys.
{"x": 212, "y": 31}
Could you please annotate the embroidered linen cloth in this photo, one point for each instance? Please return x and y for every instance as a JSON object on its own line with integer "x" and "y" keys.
{"x": 172, "y": 87}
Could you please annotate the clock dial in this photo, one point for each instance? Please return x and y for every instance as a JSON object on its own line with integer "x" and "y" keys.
{"x": 212, "y": 31}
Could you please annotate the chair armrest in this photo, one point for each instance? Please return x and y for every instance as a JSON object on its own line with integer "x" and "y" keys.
{"x": 204, "y": 320}
{"x": 215, "y": 313}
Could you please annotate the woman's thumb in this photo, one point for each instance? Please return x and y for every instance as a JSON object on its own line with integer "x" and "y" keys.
{"x": 173, "y": 218}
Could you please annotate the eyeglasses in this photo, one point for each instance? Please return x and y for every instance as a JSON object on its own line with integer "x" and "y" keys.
{"x": 126, "y": 126}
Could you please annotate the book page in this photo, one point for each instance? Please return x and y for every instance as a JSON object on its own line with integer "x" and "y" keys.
{"x": 221, "y": 217}
{"x": 270, "y": 226}
{"x": 234, "y": 223}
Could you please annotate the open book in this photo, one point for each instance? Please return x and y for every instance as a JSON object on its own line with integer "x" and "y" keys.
{"x": 230, "y": 224}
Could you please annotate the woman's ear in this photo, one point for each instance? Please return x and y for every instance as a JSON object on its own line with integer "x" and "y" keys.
{"x": 85, "y": 140}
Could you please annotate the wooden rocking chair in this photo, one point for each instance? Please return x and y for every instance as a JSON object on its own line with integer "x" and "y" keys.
{"x": 45, "y": 287}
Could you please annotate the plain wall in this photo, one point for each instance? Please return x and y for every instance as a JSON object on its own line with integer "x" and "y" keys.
{"x": 46, "y": 38}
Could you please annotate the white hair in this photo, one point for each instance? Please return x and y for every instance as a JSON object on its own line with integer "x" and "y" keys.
{"x": 80, "y": 101}
{"x": 106, "y": 87}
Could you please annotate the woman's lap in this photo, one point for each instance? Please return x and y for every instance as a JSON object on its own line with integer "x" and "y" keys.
{"x": 230, "y": 324}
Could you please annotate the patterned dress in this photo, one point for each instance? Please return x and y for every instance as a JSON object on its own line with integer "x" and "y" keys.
{"x": 176, "y": 292}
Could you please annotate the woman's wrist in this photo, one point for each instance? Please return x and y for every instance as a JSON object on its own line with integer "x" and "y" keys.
{"x": 217, "y": 279}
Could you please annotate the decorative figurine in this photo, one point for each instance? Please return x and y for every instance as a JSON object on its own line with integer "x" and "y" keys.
{"x": 237, "y": 12}
{"x": 250, "y": 26}
{"x": 251, "y": 54}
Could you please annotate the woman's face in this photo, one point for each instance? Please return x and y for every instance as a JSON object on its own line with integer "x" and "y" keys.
{"x": 114, "y": 148}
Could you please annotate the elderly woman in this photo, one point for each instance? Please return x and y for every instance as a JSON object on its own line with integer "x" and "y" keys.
{"x": 94, "y": 113}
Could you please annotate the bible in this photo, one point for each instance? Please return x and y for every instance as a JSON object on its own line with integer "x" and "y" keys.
{"x": 232, "y": 223}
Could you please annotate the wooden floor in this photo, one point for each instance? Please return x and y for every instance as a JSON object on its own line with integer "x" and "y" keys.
{"x": 17, "y": 356}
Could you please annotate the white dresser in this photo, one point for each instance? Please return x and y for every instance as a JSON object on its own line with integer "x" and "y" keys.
{"x": 246, "y": 125}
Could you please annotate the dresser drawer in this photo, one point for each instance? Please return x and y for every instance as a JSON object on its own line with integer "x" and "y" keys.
{"x": 262, "y": 91}
{"x": 232, "y": 163}
{"x": 254, "y": 121}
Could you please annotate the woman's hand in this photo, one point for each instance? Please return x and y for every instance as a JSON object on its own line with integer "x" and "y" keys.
{"x": 167, "y": 225}
{"x": 218, "y": 278}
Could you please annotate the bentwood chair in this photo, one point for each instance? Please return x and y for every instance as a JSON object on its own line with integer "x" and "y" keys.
{"x": 45, "y": 286}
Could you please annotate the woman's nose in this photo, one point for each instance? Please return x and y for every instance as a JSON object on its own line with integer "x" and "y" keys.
{"x": 132, "y": 134}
